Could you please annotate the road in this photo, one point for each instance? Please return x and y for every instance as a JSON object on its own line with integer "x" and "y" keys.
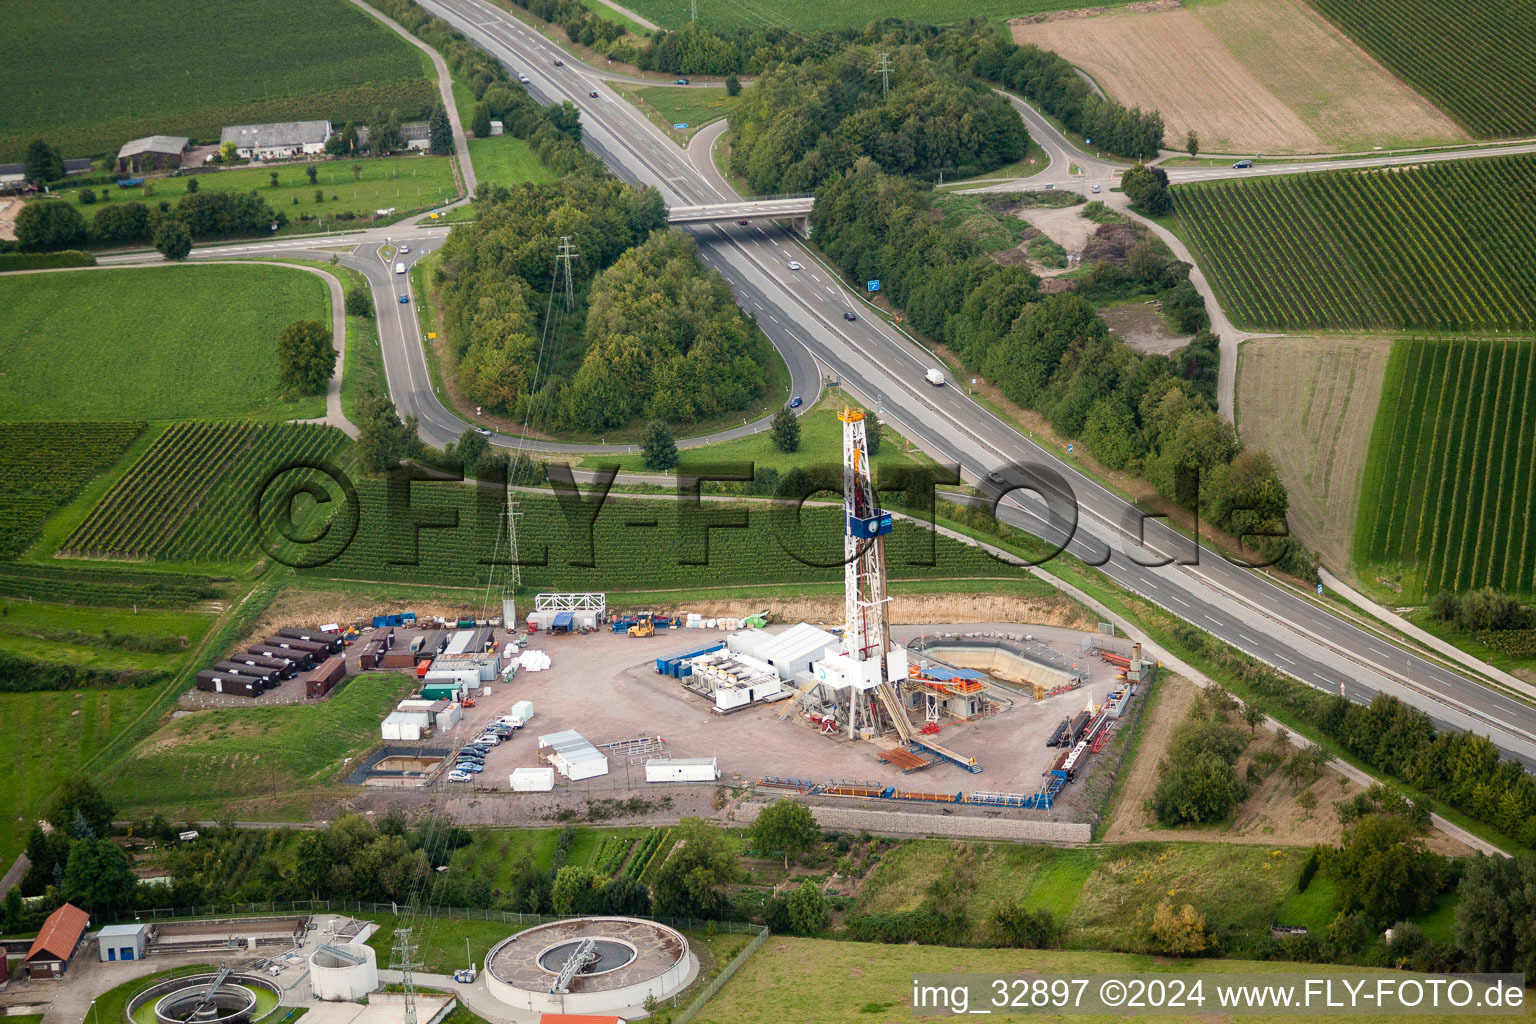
{"x": 802, "y": 314}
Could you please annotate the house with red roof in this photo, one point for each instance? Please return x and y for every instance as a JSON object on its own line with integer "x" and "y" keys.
{"x": 57, "y": 943}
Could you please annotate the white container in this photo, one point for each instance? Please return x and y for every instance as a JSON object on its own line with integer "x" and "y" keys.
{"x": 533, "y": 780}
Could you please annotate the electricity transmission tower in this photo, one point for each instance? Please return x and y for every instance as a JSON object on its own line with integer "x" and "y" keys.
{"x": 885, "y": 75}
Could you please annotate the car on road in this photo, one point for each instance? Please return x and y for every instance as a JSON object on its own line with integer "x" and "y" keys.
{"x": 523, "y": 79}
{"x": 796, "y": 402}
{"x": 405, "y": 298}
{"x": 794, "y": 265}
{"x": 559, "y": 63}
{"x": 458, "y": 776}
{"x": 593, "y": 94}
{"x": 483, "y": 431}
{"x": 850, "y": 316}
{"x": 996, "y": 477}
{"x": 1243, "y": 164}
{"x": 680, "y": 81}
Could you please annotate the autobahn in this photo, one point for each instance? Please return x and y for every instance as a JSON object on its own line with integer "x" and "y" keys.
{"x": 801, "y": 312}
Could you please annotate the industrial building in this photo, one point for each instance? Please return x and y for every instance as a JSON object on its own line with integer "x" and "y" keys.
{"x": 572, "y": 756}
{"x": 57, "y": 942}
{"x": 117, "y": 942}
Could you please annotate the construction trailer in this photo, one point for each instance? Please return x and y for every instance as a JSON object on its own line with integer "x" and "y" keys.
{"x": 789, "y": 652}
{"x": 301, "y": 661}
{"x": 214, "y": 681}
{"x": 572, "y": 756}
{"x": 682, "y": 769}
{"x": 324, "y": 679}
{"x": 330, "y": 641}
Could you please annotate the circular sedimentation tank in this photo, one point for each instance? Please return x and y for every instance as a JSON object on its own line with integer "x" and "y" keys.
{"x": 629, "y": 959}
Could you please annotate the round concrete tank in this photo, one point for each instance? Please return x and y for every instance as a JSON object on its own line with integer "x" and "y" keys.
{"x": 343, "y": 972}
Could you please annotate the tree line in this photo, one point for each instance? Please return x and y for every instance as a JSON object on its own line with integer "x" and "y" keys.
{"x": 1150, "y": 414}
{"x": 802, "y": 123}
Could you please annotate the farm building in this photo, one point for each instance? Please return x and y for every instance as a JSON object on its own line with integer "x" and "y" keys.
{"x": 153, "y": 153}
{"x": 572, "y": 756}
{"x": 214, "y": 681}
{"x": 122, "y": 942}
{"x": 277, "y": 141}
{"x": 57, "y": 943}
{"x": 325, "y": 678}
{"x": 417, "y": 135}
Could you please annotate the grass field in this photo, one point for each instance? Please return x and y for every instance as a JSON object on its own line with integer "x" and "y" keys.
{"x": 153, "y": 343}
{"x": 1267, "y": 76}
{"x": 90, "y": 82}
{"x": 1310, "y": 403}
{"x": 1472, "y": 58}
{"x": 808, "y": 15}
{"x": 399, "y": 182}
{"x": 65, "y": 729}
{"x": 1447, "y": 492}
{"x": 44, "y": 465}
{"x": 210, "y": 761}
{"x": 1443, "y": 246}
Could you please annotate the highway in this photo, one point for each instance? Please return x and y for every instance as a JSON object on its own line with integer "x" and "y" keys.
{"x": 801, "y": 312}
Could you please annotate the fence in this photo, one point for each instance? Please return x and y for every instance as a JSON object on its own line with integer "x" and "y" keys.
{"x": 700, "y": 1000}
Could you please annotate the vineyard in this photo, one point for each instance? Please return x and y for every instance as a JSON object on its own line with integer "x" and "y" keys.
{"x": 1473, "y": 58}
{"x": 450, "y": 535}
{"x": 189, "y": 496}
{"x": 105, "y": 587}
{"x": 43, "y": 465}
{"x": 1444, "y": 246}
{"x": 1448, "y": 489}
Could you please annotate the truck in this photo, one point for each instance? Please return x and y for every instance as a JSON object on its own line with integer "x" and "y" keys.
{"x": 935, "y": 377}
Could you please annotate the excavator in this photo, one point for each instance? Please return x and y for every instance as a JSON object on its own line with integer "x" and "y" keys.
{"x": 645, "y": 625}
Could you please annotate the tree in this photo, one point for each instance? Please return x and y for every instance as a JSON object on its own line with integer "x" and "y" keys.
{"x": 732, "y": 85}
{"x": 49, "y": 224}
{"x": 313, "y": 173}
{"x": 42, "y": 163}
{"x": 1496, "y": 914}
{"x": 575, "y": 890}
{"x": 688, "y": 883}
{"x": 657, "y": 446}
{"x": 98, "y": 878}
{"x": 786, "y": 431}
{"x": 786, "y": 826}
{"x": 78, "y": 796}
{"x": 383, "y": 439}
{"x": 1383, "y": 869}
{"x": 1181, "y": 932}
{"x": 808, "y": 908}
{"x": 439, "y": 132}
{"x": 306, "y": 359}
{"x": 873, "y": 431}
{"x": 359, "y": 302}
{"x": 1192, "y": 143}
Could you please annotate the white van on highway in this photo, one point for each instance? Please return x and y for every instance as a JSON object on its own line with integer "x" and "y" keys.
{"x": 399, "y": 268}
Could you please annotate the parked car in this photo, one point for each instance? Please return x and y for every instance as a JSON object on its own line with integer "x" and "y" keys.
{"x": 1243, "y": 164}
{"x": 458, "y": 776}
{"x": 794, "y": 265}
{"x": 680, "y": 81}
{"x": 796, "y": 402}
{"x": 483, "y": 432}
{"x": 850, "y": 316}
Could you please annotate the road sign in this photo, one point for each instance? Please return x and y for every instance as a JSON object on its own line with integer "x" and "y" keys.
{"x": 874, "y": 286}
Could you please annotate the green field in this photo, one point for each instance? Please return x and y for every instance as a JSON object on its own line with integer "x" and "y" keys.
{"x": 403, "y": 183}
{"x": 809, "y": 15}
{"x": 832, "y": 982}
{"x": 1447, "y": 491}
{"x": 59, "y": 740}
{"x": 105, "y": 74}
{"x": 507, "y": 160}
{"x": 1444, "y": 246}
{"x": 43, "y": 465}
{"x": 207, "y": 761}
{"x": 1470, "y": 57}
{"x": 188, "y": 497}
{"x": 152, "y": 343}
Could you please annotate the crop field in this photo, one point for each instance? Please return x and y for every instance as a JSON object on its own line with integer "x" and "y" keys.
{"x": 399, "y": 182}
{"x": 1447, "y": 493}
{"x": 1265, "y": 76}
{"x": 43, "y": 465}
{"x": 114, "y": 587}
{"x": 1443, "y": 246}
{"x": 66, "y": 728}
{"x": 211, "y": 760}
{"x": 152, "y": 343}
{"x": 809, "y": 15}
{"x": 90, "y": 82}
{"x": 449, "y": 535}
{"x": 1475, "y": 59}
{"x": 189, "y": 496}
